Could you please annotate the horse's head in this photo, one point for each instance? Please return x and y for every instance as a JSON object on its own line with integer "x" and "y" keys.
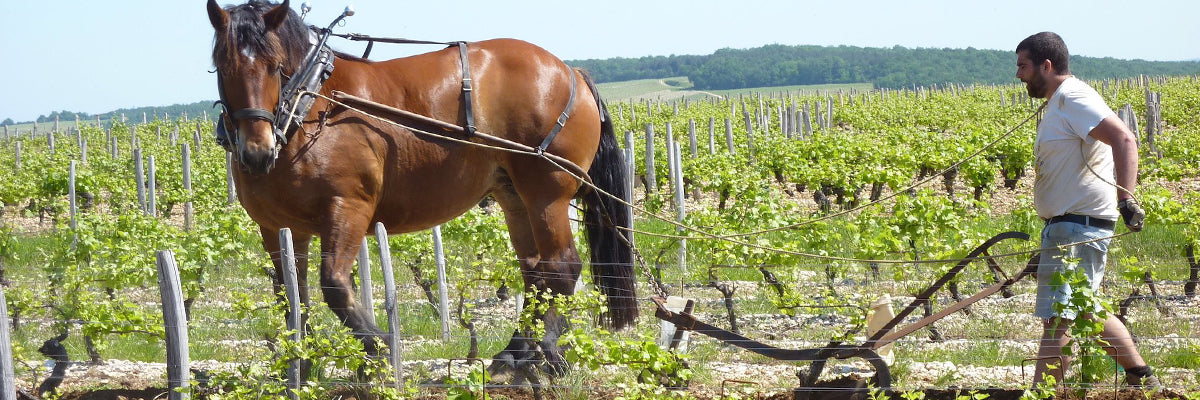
{"x": 256, "y": 46}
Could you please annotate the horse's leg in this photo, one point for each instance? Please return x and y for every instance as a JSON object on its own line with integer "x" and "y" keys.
{"x": 549, "y": 263}
{"x": 339, "y": 247}
{"x": 521, "y": 349}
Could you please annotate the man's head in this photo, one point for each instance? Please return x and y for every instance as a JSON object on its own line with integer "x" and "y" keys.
{"x": 1039, "y": 57}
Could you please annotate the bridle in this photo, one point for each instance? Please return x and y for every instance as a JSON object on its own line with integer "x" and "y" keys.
{"x": 295, "y": 98}
{"x": 227, "y": 121}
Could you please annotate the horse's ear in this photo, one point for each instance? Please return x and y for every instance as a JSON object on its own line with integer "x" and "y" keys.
{"x": 217, "y": 16}
{"x": 276, "y": 16}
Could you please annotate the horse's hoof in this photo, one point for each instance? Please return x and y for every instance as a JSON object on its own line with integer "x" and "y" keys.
{"x": 503, "y": 368}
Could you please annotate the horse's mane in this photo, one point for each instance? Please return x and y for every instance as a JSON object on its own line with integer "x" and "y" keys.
{"x": 247, "y": 32}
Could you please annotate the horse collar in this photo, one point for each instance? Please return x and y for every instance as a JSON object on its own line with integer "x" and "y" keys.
{"x": 296, "y": 97}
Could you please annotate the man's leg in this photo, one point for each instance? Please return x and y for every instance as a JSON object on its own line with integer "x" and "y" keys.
{"x": 1120, "y": 344}
{"x": 1050, "y": 350}
{"x": 1122, "y": 349}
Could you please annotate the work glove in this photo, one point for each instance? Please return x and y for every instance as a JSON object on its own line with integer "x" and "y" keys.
{"x": 1132, "y": 213}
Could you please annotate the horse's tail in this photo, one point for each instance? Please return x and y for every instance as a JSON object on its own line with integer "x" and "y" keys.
{"x": 608, "y": 215}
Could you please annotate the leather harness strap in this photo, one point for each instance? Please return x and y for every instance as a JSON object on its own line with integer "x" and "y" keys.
{"x": 562, "y": 118}
{"x": 469, "y": 113}
{"x": 254, "y": 113}
{"x": 466, "y": 89}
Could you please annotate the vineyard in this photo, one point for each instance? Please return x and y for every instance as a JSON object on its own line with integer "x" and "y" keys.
{"x": 788, "y": 217}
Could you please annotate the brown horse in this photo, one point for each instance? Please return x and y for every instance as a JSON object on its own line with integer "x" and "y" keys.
{"x": 339, "y": 171}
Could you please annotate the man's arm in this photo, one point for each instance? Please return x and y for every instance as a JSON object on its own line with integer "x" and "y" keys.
{"x": 1114, "y": 133}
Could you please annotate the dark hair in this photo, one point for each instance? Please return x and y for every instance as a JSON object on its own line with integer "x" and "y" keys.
{"x": 248, "y": 30}
{"x": 1044, "y": 46}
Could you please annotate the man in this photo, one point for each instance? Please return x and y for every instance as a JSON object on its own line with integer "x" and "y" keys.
{"x": 1081, "y": 147}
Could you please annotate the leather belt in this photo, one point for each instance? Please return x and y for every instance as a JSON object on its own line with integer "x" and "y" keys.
{"x": 1083, "y": 220}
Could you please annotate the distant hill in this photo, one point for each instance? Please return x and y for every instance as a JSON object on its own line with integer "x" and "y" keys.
{"x": 778, "y": 66}
{"x": 896, "y": 67}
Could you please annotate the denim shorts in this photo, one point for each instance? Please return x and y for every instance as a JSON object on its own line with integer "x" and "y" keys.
{"x": 1090, "y": 256}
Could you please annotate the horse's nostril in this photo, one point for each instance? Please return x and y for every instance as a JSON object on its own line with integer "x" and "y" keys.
{"x": 258, "y": 161}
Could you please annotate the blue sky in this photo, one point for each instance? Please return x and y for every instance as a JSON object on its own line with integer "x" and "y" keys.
{"x": 97, "y": 56}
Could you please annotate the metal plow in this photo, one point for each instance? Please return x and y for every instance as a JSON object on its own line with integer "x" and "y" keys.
{"x": 818, "y": 357}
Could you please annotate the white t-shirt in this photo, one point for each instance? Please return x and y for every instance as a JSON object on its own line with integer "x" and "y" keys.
{"x": 1062, "y": 183}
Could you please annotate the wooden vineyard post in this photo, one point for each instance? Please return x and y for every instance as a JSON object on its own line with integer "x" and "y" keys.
{"x": 680, "y": 209}
{"x": 692, "y": 137}
{"x": 650, "y": 178}
{"x": 8, "y": 376}
{"x": 1153, "y": 121}
{"x": 1129, "y": 117}
{"x": 749, "y": 135}
{"x": 71, "y": 192}
{"x": 629, "y": 178}
{"x": 389, "y": 303}
{"x": 139, "y": 179}
{"x": 829, "y": 114}
{"x": 365, "y": 292}
{"x": 196, "y": 137}
{"x": 151, "y": 210}
{"x": 17, "y": 159}
{"x": 729, "y": 135}
{"x": 231, "y": 194}
{"x": 175, "y": 322}
{"x": 749, "y": 123}
{"x": 443, "y": 295}
{"x": 187, "y": 186}
{"x": 670, "y": 157}
{"x": 629, "y": 145}
{"x": 806, "y": 120}
{"x": 291, "y": 289}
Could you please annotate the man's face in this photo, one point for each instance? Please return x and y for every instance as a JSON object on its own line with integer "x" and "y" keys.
{"x": 1031, "y": 74}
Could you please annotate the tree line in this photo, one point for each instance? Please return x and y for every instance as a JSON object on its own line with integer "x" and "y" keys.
{"x": 193, "y": 110}
{"x": 895, "y": 67}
